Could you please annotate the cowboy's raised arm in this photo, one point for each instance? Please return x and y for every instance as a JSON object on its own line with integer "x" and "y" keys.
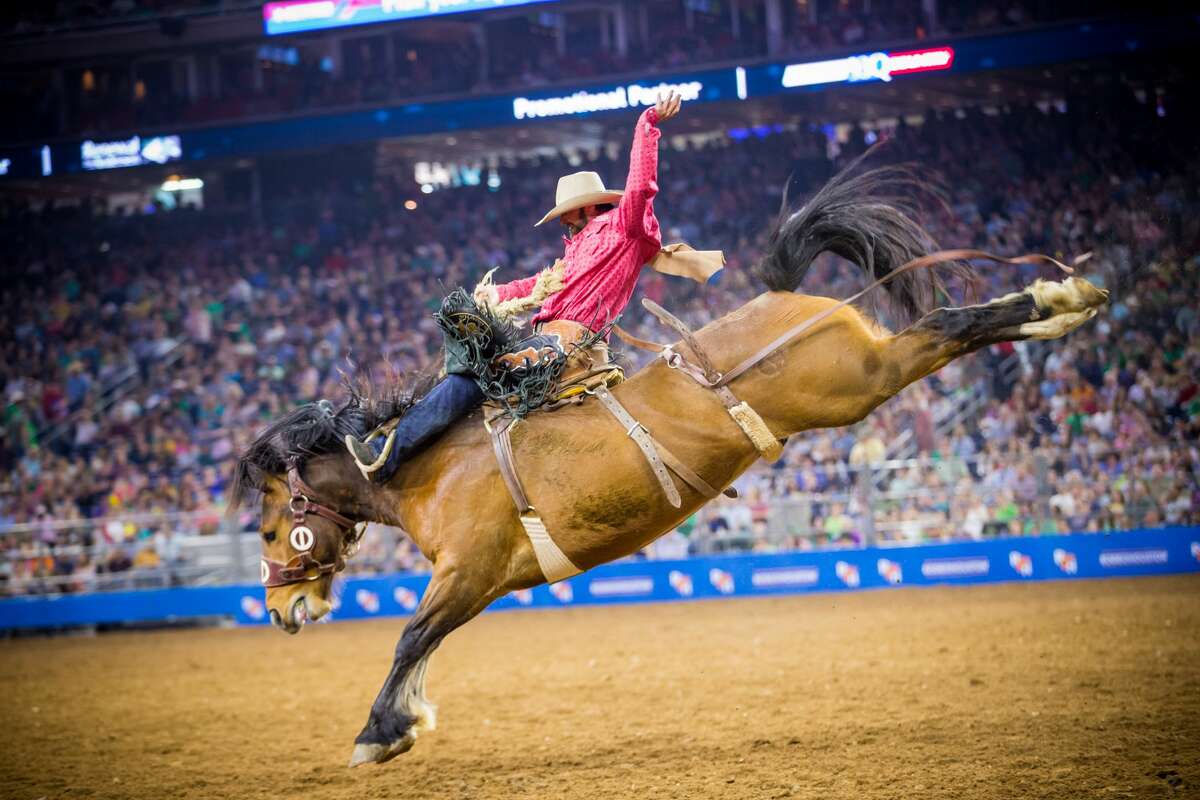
{"x": 636, "y": 211}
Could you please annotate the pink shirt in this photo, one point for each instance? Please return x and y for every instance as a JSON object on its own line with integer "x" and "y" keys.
{"x": 606, "y": 257}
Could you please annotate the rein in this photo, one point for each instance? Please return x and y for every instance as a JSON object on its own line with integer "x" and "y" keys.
{"x": 303, "y": 566}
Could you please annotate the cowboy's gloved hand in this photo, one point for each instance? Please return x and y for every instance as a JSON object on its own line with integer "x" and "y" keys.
{"x": 486, "y": 295}
{"x": 667, "y": 106}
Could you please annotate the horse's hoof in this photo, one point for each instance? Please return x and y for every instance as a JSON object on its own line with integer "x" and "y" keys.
{"x": 381, "y": 753}
{"x": 1072, "y": 296}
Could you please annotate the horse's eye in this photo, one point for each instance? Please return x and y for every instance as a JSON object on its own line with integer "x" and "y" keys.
{"x": 269, "y": 536}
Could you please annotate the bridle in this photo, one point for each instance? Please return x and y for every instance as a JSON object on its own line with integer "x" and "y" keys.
{"x": 304, "y": 566}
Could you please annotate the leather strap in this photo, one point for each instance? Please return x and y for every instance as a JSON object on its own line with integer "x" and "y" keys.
{"x": 930, "y": 260}
{"x": 684, "y": 471}
{"x": 636, "y": 431}
{"x": 502, "y": 445}
{"x": 553, "y": 562}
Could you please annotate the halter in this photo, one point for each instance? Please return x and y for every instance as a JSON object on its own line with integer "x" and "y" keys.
{"x": 303, "y": 566}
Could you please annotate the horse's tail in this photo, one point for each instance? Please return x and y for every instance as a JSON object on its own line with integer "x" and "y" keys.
{"x": 866, "y": 217}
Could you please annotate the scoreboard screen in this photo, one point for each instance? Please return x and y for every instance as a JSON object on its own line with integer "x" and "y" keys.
{"x": 295, "y": 16}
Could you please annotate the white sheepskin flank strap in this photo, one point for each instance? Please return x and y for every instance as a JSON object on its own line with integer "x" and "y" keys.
{"x": 553, "y": 561}
{"x": 757, "y": 431}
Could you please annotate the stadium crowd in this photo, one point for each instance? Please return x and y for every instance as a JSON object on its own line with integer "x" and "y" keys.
{"x": 141, "y": 354}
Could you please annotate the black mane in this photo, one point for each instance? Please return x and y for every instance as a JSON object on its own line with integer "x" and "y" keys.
{"x": 316, "y": 429}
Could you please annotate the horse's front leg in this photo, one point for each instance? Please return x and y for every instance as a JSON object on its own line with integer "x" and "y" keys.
{"x": 401, "y": 711}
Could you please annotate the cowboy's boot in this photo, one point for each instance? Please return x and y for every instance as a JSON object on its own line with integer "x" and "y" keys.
{"x": 378, "y": 459}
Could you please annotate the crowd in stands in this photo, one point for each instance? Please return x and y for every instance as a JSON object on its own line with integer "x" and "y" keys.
{"x": 390, "y": 65}
{"x": 139, "y": 355}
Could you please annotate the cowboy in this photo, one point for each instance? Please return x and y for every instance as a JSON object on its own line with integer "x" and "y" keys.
{"x": 611, "y": 235}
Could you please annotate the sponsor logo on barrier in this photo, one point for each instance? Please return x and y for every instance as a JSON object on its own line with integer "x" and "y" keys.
{"x": 405, "y": 598}
{"x": 367, "y": 600}
{"x": 1065, "y": 561}
{"x": 847, "y": 573}
{"x": 253, "y": 608}
{"x": 562, "y": 591}
{"x": 523, "y": 596}
{"x": 621, "y": 587}
{"x": 681, "y": 582}
{"x": 1138, "y": 557}
{"x": 955, "y": 567}
{"x": 784, "y": 576}
{"x": 721, "y": 580}
{"x": 1196, "y": 550}
{"x": 889, "y": 570}
{"x": 1021, "y": 563}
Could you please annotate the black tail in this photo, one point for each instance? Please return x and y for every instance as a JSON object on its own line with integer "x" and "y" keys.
{"x": 866, "y": 218}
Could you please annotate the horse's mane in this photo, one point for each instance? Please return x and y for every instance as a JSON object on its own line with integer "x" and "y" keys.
{"x": 317, "y": 429}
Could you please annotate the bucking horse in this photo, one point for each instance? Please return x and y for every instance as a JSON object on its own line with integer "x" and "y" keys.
{"x": 587, "y": 490}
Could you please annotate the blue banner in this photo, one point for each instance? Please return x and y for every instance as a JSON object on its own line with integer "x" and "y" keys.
{"x": 1078, "y": 556}
{"x": 1054, "y": 44}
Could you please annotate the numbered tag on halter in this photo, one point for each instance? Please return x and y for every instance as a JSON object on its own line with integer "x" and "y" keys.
{"x": 301, "y": 538}
{"x": 265, "y": 570}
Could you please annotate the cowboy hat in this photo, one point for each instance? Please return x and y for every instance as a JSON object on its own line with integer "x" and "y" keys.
{"x": 579, "y": 190}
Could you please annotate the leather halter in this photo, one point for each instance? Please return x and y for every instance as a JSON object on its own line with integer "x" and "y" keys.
{"x": 303, "y": 566}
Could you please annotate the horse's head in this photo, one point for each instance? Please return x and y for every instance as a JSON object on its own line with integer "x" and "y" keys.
{"x": 311, "y": 499}
{"x": 304, "y": 543}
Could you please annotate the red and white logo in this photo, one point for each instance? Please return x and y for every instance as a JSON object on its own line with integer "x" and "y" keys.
{"x": 721, "y": 580}
{"x": 367, "y": 600}
{"x": 523, "y": 596}
{"x": 1020, "y": 562}
{"x": 1065, "y": 561}
{"x": 406, "y": 598}
{"x": 253, "y": 608}
{"x": 847, "y": 573}
{"x": 562, "y": 591}
{"x": 890, "y": 571}
{"x": 681, "y": 582}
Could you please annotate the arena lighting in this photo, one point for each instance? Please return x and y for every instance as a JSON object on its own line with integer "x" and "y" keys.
{"x": 411, "y": 205}
{"x": 867, "y": 67}
{"x": 293, "y": 16}
{"x": 585, "y": 102}
{"x": 182, "y": 184}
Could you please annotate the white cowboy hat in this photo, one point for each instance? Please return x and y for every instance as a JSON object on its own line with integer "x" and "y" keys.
{"x": 579, "y": 190}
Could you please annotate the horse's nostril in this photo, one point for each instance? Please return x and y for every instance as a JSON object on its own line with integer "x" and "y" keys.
{"x": 275, "y": 620}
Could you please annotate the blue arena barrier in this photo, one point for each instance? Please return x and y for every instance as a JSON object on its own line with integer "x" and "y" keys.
{"x": 1077, "y": 556}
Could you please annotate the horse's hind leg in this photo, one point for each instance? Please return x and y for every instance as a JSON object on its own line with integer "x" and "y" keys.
{"x": 1044, "y": 310}
{"x": 400, "y": 710}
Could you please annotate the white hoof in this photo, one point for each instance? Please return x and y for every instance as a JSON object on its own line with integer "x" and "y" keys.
{"x": 1070, "y": 296}
{"x": 1059, "y": 325}
{"x": 379, "y": 753}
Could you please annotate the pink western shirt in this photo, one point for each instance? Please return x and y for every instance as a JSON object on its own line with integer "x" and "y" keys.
{"x": 603, "y": 260}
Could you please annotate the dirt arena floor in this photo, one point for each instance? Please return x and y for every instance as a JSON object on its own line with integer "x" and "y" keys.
{"x": 1064, "y": 690}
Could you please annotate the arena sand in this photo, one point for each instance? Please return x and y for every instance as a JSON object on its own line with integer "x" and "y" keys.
{"x": 1088, "y": 689}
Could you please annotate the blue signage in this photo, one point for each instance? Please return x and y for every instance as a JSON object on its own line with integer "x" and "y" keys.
{"x": 1143, "y": 552}
{"x": 1049, "y": 45}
